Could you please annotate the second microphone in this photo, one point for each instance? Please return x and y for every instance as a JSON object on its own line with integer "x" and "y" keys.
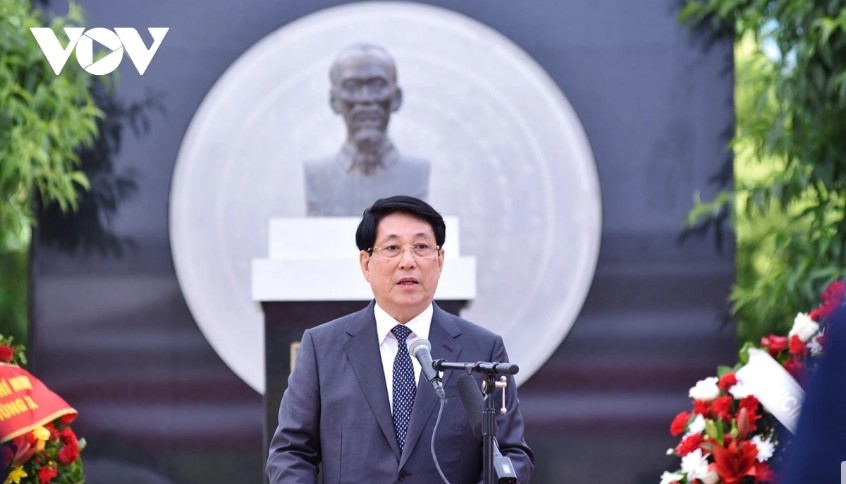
{"x": 421, "y": 349}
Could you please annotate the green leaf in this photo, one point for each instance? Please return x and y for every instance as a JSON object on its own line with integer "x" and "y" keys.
{"x": 790, "y": 158}
{"x": 44, "y": 121}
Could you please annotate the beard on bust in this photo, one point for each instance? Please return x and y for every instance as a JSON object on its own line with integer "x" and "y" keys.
{"x": 371, "y": 145}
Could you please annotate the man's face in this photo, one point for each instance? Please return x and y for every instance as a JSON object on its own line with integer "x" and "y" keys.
{"x": 403, "y": 286}
{"x": 365, "y": 94}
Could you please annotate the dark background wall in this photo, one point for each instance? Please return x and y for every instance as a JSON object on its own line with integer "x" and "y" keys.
{"x": 113, "y": 335}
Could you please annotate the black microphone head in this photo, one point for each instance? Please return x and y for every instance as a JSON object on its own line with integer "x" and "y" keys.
{"x": 471, "y": 397}
{"x": 508, "y": 368}
{"x": 416, "y": 344}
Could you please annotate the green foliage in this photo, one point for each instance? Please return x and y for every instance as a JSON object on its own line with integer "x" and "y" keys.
{"x": 13, "y": 292}
{"x": 788, "y": 199}
{"x": 44, "y": 120}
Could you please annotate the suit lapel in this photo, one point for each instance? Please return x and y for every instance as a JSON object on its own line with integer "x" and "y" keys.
{"x": 442, "y": 336}
{"x": 363, "y": 353}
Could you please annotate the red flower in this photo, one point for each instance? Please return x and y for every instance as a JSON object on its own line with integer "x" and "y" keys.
{"x": 751, "y": 405}
{"x": 6, "y": 353}
{"x": 68, "y": 437}
{"x": 835, "y": 291}
{"x": 797, "y": 347}
{"x": 795, "y": 368}
{"x": 47, "y": 474}
{"x": 734, "y": 462}
{"x": 689, "y": 444}
{"x": 700, "y": 407}
{"x": 744, "y": 423}
{"x": 832, "y": 298}
{"x": 679, "y": 424}
{"x": 721, "y": 407}
{"x": 67, "y": 419}
{"x": 25, "y": 447}
{"x": 774, "y": 344}
{"x": 727, "y": 381}
{"x": 763, "y": 472}
{"x": 54, "y": 434}
{"x": 70, "y": 450}
{"x": 827, "y": 308}
{"x": 68, "y": 454}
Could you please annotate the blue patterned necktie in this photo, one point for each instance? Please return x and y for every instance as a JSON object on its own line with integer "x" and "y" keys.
{"x": 404, "y": 385}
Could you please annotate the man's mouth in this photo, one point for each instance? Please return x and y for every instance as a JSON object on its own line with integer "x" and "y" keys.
{"x": 368, "y": 123}
{"x": 407, "y": 281}
{"x": 372, "y": 114}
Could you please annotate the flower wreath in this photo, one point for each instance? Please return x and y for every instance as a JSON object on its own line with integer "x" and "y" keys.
{"x": 46, "y": 451}
{"x": 729, "y": 436}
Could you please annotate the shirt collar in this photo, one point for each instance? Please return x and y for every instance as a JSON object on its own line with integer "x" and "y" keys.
{"x": 419, "y": 325}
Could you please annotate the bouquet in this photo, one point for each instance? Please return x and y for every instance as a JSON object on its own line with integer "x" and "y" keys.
{"x": 37, "y": 444}
{"x": 729, "y": 436}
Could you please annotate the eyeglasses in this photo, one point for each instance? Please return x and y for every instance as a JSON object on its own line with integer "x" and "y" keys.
{"x": 394, "y": 250}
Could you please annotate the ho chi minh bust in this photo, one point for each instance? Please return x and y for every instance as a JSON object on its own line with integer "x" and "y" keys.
{"x": 368, "y": 167}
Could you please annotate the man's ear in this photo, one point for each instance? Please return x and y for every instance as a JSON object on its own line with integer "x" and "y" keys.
{"x": 364, "y": 262}
{"x": 396, "y": 101}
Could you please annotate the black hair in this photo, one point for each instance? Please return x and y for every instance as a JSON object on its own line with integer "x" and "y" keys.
{"x": 365, "y": 235}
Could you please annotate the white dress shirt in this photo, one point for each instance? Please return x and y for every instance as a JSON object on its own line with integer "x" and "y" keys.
{"x": 419, "y": 327}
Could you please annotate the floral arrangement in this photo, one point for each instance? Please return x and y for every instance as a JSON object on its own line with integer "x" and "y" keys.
{"x": 729, "y": 437}
{"x": 48, "y": 453}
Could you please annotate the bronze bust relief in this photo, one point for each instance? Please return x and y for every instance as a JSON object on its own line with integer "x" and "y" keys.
{"x": 364, "y": 93}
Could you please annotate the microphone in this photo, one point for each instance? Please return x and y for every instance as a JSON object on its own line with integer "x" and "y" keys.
{"x": 473, "y": 402}
{"x": 496, "y": 368}
{"x": 421, "y": 349}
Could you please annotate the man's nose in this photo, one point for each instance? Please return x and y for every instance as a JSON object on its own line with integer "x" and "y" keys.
{"x": 406, "y": 257}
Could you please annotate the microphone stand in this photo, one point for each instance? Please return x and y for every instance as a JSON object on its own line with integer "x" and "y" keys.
{"x": 491, "y": 472}
{"x": 488, "y": 428}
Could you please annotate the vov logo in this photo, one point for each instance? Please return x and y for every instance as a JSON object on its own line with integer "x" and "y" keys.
{"x": 117, "y": 41}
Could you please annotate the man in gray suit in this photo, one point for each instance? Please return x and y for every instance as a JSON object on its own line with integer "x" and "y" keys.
{"x": 348, "y": 406}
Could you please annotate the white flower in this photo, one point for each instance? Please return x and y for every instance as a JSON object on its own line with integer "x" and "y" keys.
{"x": 668, "y": 477}
{"x": 804, "y": 327}
{"x": 740, "y": 391}
{"x": 765, "y": 448}
{"x": 697, "y": 426}
{"x": 709, "y": 477}
{"x": 706, "y": 389}
{"x": 695, "y": 465}
{"x": 692, "y": 460}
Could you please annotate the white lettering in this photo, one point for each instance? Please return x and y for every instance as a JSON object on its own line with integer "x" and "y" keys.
{"x": 139, "y": 54}
{"x": 56, "y": 55}
{"x": 117, "y": 41}
{"x": 85, "y": 51}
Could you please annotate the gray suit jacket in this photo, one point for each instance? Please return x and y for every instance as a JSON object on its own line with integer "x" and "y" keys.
{"x": 335, "y": 411}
